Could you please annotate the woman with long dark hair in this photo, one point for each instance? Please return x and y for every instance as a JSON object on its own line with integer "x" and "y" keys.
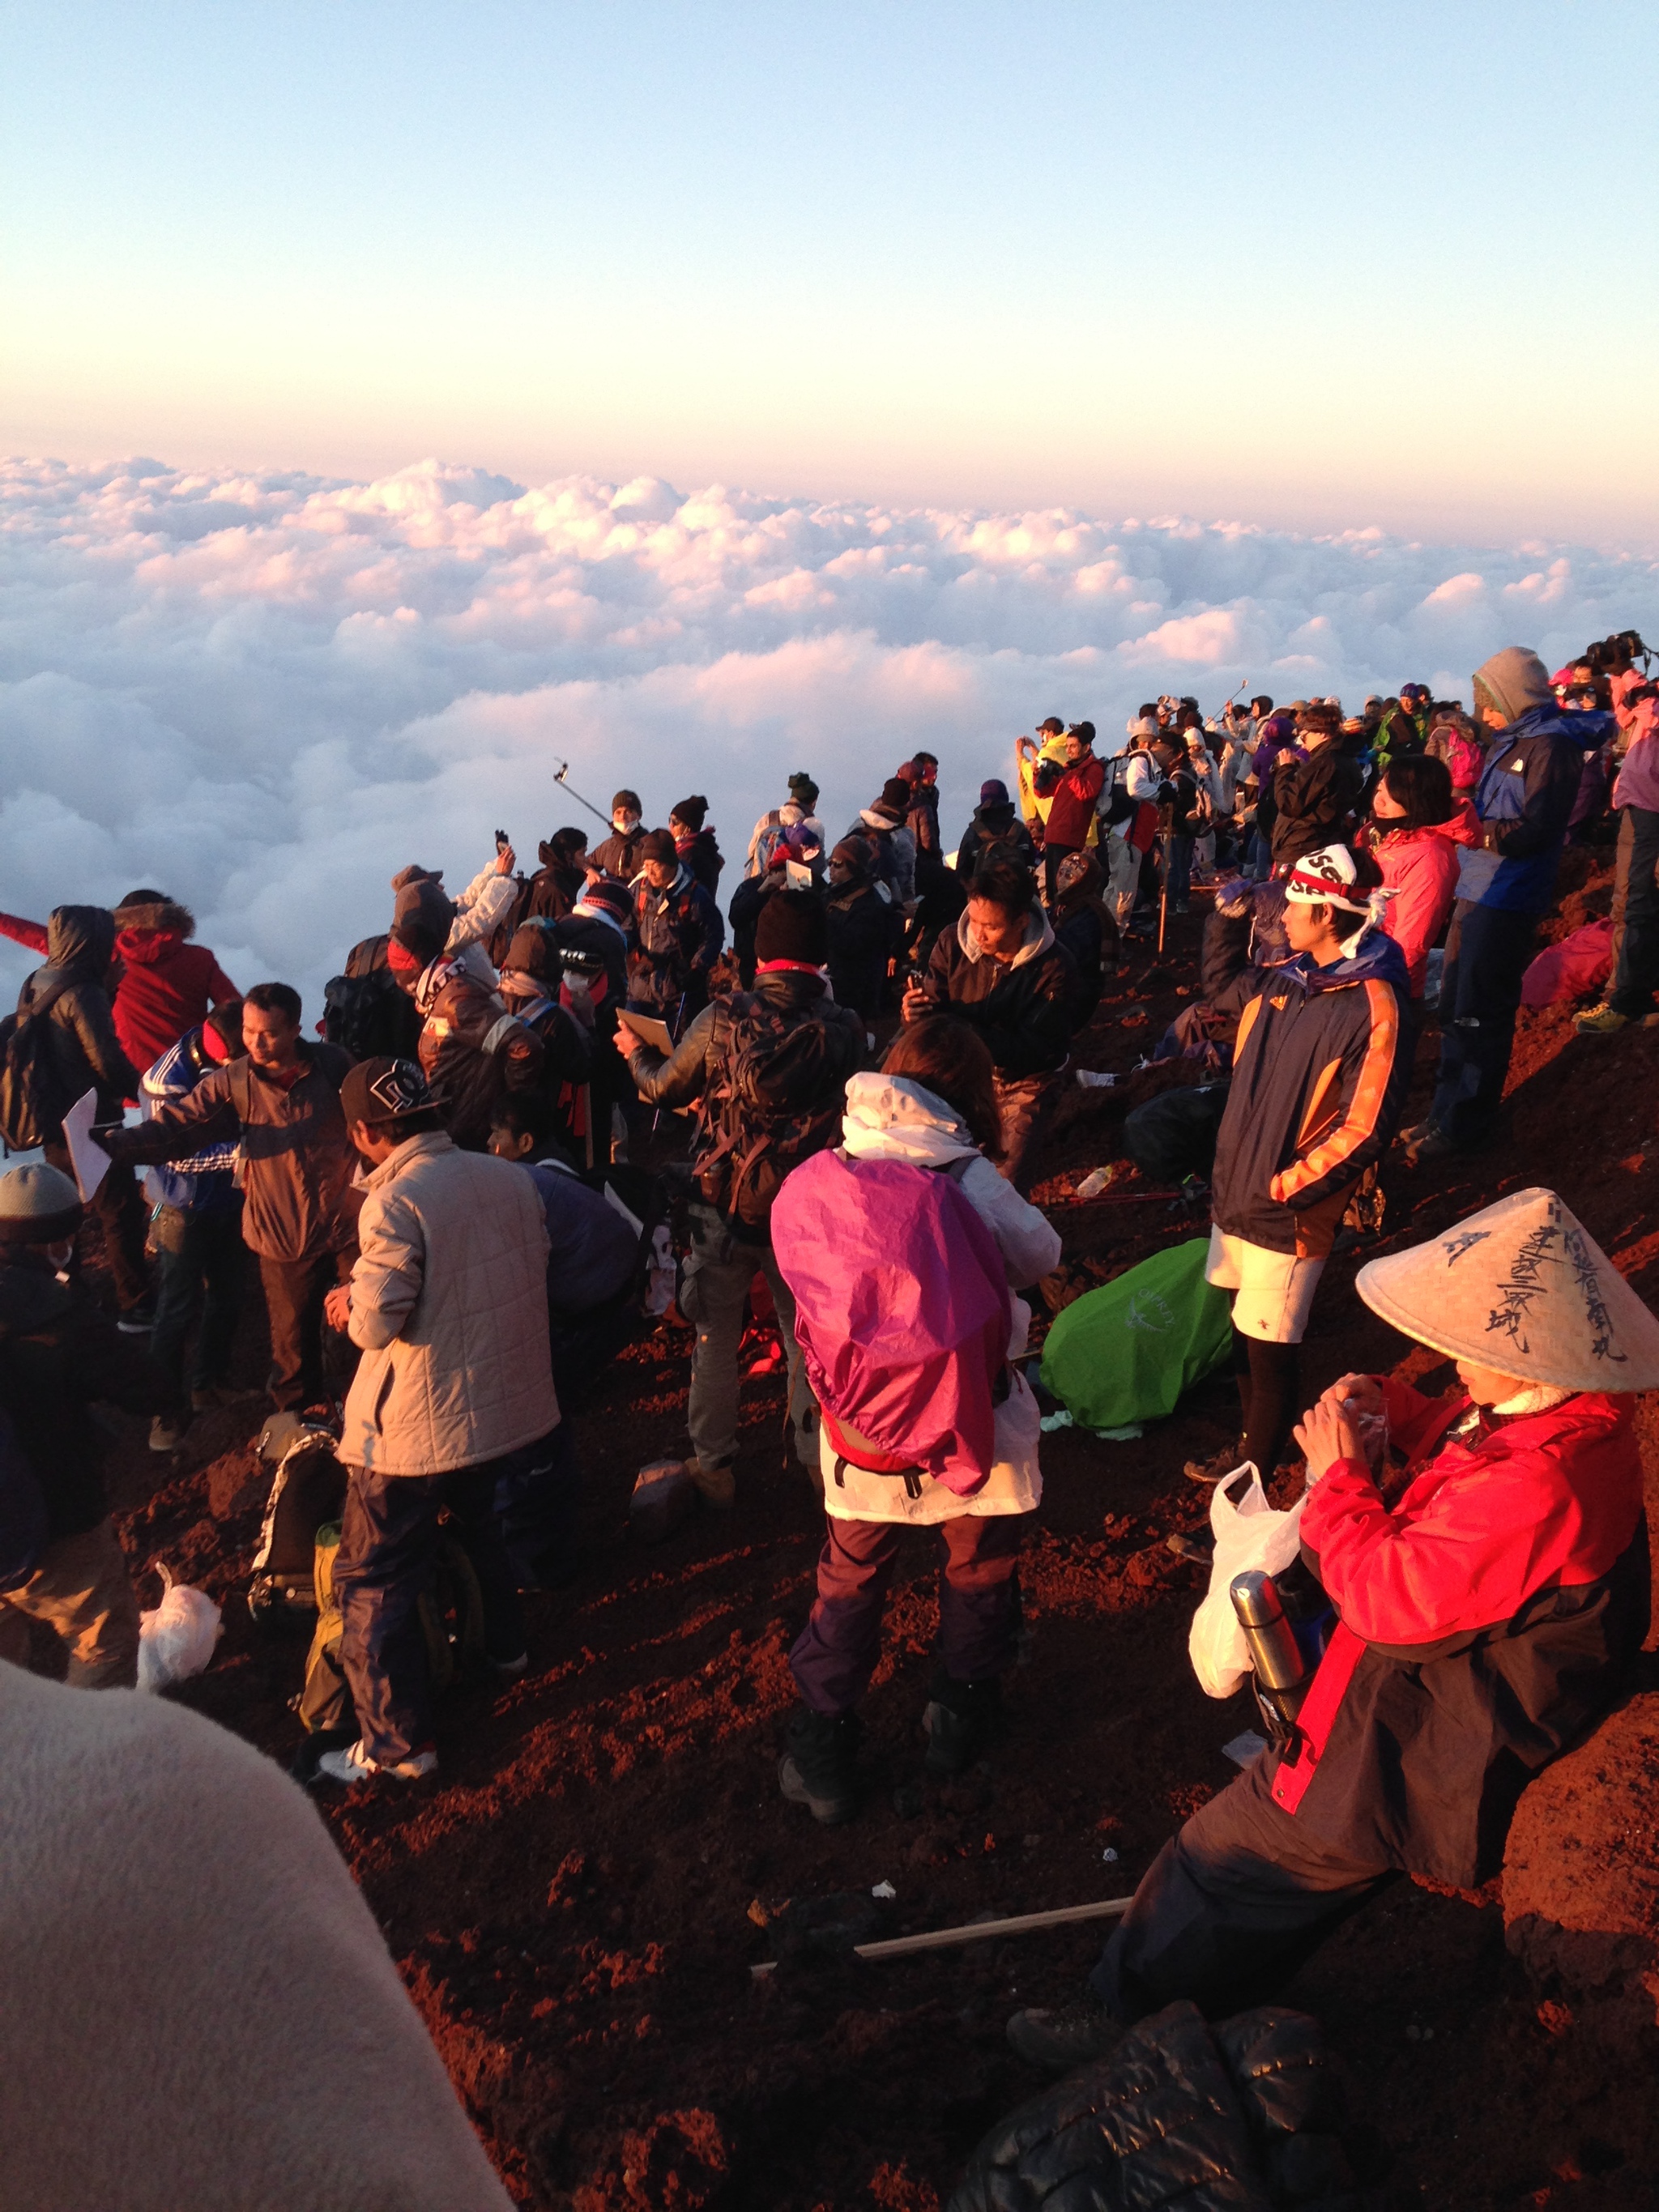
{"x": 1416, "y": 832}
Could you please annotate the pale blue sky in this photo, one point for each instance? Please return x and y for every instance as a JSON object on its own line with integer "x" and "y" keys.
{"x": 1314, "y": 265}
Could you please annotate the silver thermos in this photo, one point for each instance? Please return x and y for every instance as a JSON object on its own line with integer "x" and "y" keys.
{"x": 1281, "y": 1672}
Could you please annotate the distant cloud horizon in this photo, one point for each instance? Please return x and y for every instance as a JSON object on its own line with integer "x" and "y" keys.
{"x": 266, "y": 691}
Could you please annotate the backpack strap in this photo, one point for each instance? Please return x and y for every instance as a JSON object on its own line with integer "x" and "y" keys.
{"x": 496, "y": 1037}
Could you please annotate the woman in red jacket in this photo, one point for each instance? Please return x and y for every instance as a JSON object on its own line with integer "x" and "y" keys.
{"x": 1417, "y": 834}
{"x": 1488, "y": 1598}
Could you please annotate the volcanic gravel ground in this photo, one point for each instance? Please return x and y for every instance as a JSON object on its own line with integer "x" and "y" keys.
{"x": 576, "y": 1900}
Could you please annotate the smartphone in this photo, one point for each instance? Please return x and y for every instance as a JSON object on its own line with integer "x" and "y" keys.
{"x": 502, "y": 840}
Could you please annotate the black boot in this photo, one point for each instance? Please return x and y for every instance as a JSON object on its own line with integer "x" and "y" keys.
{"x": 817, "y": 1769}
{"x": 961, "y": 1719}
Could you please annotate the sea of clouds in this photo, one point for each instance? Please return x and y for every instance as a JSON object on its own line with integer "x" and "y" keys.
{"x": 264, "y": 694}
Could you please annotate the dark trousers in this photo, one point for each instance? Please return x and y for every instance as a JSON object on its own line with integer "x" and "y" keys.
{"x": 538, "y": 1494}
{"x": 199, "y": 1266}
{"x": 123, "y": 1218}
{"x": 1487, "y": 949}
{"x": 1178, "y": 870}
{"x": 388, "y": 1547}
{"x": 1637, "y": 977}
{"x": 294, "y": 1290}
{"x": 1026, "y": 1104}
{"x": 1230, "y": 1908}
{"x": 835, "y": 1653}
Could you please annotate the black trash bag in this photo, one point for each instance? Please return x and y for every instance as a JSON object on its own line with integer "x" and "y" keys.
{"x": 1173, "y": 1136}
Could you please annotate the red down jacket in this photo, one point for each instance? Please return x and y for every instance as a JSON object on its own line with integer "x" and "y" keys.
{"x": 1420, "y": 866}
{"x": 1484, "y": 1621}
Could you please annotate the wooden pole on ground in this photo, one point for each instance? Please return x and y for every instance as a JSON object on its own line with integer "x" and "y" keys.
{"x": 977, "y": 1931}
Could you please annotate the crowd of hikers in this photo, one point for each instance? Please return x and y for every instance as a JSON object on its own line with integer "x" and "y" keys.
{"x": 464, "y": 1188}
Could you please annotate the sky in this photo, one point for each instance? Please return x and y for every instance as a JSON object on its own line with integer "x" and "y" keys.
{"x": 1307, "y": 266}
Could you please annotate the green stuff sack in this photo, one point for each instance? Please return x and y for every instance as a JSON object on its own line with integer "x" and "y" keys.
{"x": 1125, "y": 1353}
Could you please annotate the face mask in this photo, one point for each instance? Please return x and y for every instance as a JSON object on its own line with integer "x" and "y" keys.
{"x": 625, "y": 824}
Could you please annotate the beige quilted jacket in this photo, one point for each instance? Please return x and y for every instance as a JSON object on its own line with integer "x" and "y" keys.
{"x": 449, "y": 1305}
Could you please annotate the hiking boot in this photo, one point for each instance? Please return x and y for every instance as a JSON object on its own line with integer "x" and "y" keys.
{"x": 1218, "y": 1465}
{"x": 354, "y": 1765}
{"x": 717, "y": 1487}
{"x": 1060, "y": 2040}
{"x": 138, "y": 1321}
{"x": 1194, "y": 1550}
{"x": 1429, "y": 1143}
{"x": 166, "y": 1432}
{"x": 960, "y": 1718}
{"x": 817, "y": 1769}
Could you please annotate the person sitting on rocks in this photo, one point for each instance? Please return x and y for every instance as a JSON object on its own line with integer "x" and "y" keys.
{"x": 1488, "y": 1600}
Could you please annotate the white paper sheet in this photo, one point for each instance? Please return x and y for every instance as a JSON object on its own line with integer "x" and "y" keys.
{"x": 90, "y": 1161}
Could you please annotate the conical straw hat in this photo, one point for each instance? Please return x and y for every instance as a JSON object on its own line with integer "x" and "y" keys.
{"x": 1523, "y": 1288}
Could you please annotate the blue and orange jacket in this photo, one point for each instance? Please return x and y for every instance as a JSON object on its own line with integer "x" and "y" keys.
{"x": 1486, "y": 1618}
{"x": 1318, "y": 1084}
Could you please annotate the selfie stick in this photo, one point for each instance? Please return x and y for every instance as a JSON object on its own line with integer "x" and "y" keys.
{"x": 560, "y": 774}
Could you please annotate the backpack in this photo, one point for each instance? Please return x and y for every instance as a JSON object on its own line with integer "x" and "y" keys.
{"x": 1466, "y": 760}
{"x": 778, "y": 1099}
{"x": 902, "y": 1307}
{"x": 369, "y": 1015}
{"x": 451, "y": 1613}
{"x": 307, "y": 1490}
{"x": 30, "y": 1109}
{"x": 1173, "y": 1136}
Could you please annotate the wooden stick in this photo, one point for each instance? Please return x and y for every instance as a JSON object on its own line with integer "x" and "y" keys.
{"x": 977, "y": 1931}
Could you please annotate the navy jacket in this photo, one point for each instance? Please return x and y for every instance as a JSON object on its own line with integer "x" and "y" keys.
{"x": 1319, "y": 1081}
{"x": 1525, "y": 800}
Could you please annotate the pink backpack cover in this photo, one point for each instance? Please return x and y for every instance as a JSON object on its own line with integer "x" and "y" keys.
{"x": 900, "y": 1308}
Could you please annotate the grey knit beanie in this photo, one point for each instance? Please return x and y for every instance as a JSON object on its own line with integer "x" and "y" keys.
{"x": 38, "y": 1205}
{"x": 1514, "y": 680}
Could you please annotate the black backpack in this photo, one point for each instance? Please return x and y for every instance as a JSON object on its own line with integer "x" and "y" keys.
{"x": 30, "y": 1109}
{"x": 778, "y": 1099}
{"x": 308, "y": 1490}
{"x": 369, "y": 1015}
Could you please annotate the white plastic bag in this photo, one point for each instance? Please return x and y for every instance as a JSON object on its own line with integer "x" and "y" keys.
{"x": 1249, "y": 1533}
{"x": 177, "y": 1639}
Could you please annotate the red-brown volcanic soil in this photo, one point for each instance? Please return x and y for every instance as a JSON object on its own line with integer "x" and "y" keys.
{"x": 575, "y": 1901}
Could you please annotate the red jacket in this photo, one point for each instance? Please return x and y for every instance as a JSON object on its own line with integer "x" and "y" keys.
{"x": 1483, "y": 1620}
{"x": 166, "y": 988}
{"x": 1072, "y": 809}
{"x": 1420, "y": 866}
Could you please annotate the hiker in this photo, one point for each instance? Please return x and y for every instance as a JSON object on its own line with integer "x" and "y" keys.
{"x": 921, "y": 771}
{"x": 1317, "y": 798}
{"x": 894, "y": 847}
{"x": 909, "y": 1208}
{"x": 1128, "y": 819}
{"x": 678, "y": 933}
{"x": 472, "y": 1045}
{"x": 281, "y": 1104}
{"x": 167, "y": 985}
{"x": 866, "y": 930}
{"x": 1318, "y": 1077}
{"x": 796, "y": 843}
{"x": 79, "y": 1051}
{"x": 1000, "y": 970}
{"x": 1636, "y": 793}
{"x": 1045, "y": 750}
{"x": 438, "y": 1402}
{"x": 694, "y": 843}
{"x": 366, "y": 1010}
{"x": 531, "y": 985}
{"x": 1071, "y": 787}
{"x": 1178, "y": 792}
{"x": 558, "y": 883}
{"x": 618, "y": 855}
{"x": 1484, "y": 1619}
{"x": 591, "y": 942}
{"x": 995, "y": 831}
{"x": 473, "y": 921}
{"x": 1524, "y": 801}
{"x": 59, "y": 1355}
{"x": 768, "y": 1068}
{"x": 196, "y": 1227}
{"x": 1417, "y": 832}
{"x": 798, "y": 810}
{"x": 1084, "y": 928}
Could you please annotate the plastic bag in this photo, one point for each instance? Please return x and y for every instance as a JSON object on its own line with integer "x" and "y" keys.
{"x": 1249, "y": 1533}
{"x": 176, "y": 1640}
{"x": 1124, "y": 1353}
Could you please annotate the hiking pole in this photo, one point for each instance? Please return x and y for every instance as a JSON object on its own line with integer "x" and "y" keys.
{"x": 977, "y": 1931}
{"x": 559, "y": 776}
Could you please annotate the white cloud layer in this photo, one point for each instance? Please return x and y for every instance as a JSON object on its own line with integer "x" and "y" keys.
{"x": 264, "y": 694}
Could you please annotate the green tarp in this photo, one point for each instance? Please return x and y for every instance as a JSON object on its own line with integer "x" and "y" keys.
{"x": 1126, "y": 1351}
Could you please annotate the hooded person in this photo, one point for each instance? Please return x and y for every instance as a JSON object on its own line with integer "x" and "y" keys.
{"x": 1490, "y": 1597}
{"x": 995, "y": 831}
{"x": 1318, "y": 1077}
{"x": 618, "y": 855}
{"x": 591, "y": 942}
{"x": 798, "y": 810}
{"x": 678, "y": 935}
{"x": 796, "y": 845}
{"x": 1524, "y": 800}
{"x": 895, "y": 848}
{"x": 532, "y": 987}
{"x": 1001, "y": 971}
{"x": 484, "y": 908}
{"x": 82, "y": 1052}
{"x": 558, "y": 883}
{"x": 472, "y": 1044}
{"x": 1316, "y": 801}
{"x": 866, "y": 930}
{"x": 168, "y": 985}
{"x": 695, "y": 843}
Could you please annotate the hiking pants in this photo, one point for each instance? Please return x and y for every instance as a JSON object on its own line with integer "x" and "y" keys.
{"x": 1230, "y": 1908}
{"x": 1178, "y": 870}
{"x": 388, "y": 1547}
{"x": 1026, "y": 1104}
{"x": 82, "y": 1592}
{"x": 1487, "y": 949}
{"x": 1636, "y": 974}
{"x": 713, "y": 1285}
{"x": 538, "y": 1491}
{"x": 1122, "y": 864}
{"x": 294, "y": 1290}
{"x": 199, "y": 1264}
{"x": 123, "y": 1217}
{"x": 835, "y": 1655}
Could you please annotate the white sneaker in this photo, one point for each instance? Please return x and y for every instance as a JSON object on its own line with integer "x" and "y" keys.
{"x": 354, "y": 1765}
